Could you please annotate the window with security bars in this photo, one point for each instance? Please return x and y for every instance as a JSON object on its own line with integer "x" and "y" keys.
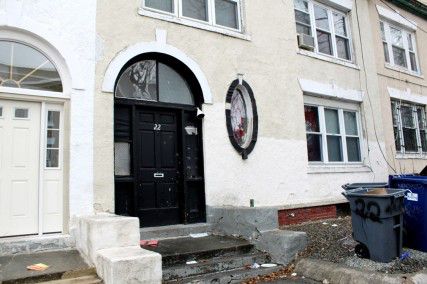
{"x": 410, "y": 127}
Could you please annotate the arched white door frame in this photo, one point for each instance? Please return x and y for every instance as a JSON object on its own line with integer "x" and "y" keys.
{"x": 132, "y": 51}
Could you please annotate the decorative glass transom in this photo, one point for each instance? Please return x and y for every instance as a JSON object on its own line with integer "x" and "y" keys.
{"x": 150, "y": 80}
{"x": 22, "y": 66}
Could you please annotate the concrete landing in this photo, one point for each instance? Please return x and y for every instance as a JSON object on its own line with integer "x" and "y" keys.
{"x": 174, "y": 231}
{"x": 13, "y": 269}
{"x": 180, "y": 250}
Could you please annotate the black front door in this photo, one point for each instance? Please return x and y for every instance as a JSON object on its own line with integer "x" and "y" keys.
{"x": 159, "y": 178}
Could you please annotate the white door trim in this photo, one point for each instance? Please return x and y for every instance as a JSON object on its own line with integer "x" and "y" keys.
{"x": 41, "y": 165}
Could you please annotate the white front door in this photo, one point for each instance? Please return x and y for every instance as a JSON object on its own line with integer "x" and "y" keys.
{"x": 19, "y": 167}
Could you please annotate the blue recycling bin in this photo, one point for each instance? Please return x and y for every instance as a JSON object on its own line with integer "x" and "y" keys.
{"x": 415, "y": 216}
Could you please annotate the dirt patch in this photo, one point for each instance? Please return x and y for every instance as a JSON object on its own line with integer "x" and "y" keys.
{"x": 331, "y": 240}
{"x": 328, "y": 240}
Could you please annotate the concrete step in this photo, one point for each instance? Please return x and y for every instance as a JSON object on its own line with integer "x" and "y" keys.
{"x": 91, "y": 279}
{"x": 230, "y": 277}
{"x": 174, "y": 231}
{"x": 62, "y": 264}
{"x": 33, "y": 244}
{"x": 181, "y": 250}
{"x": 215, "y": 264}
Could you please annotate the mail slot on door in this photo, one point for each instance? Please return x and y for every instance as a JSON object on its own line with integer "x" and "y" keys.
{"x": 159, "y": 175}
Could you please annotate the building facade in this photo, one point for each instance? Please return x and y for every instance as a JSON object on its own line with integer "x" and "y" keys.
{"x": 166, "y": 110}
{"x": 295, "y": 102}
{"x": 46, "y": 114}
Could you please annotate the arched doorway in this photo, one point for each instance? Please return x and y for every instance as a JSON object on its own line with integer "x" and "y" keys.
{"x": 31, "y": 141}
{"x": 159, "y": 174}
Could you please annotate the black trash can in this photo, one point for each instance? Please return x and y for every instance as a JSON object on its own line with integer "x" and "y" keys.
{"x": 376, "y": 216}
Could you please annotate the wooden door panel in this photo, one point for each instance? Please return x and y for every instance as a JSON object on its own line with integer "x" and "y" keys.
{"x": 167, "y": 148}
{"x": 157, "y": 168}
{"x": 167, "y": 195}
{"x": 147, "y": 195}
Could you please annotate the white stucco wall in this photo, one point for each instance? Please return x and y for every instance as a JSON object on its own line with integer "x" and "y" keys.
{"x": 277, "y": 172}
{"x": 67, "y": 31}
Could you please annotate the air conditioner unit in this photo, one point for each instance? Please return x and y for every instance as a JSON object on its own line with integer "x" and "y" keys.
{"x": 306, "y": 42}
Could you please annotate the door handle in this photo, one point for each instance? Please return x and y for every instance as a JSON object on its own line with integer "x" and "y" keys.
{"x": 159, "y": 175}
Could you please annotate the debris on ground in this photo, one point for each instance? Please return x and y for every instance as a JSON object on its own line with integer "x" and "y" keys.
{"x": 38, "y": 267}
{"x": 284, "y": 273}
{"x": 191, "y": 262}
{"x": 149, "y": 243}
{"x": 199, "y": 235}
{"x": 268, "y": 265}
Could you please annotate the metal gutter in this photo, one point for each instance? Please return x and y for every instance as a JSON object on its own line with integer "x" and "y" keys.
{"x": 413, "y": 6}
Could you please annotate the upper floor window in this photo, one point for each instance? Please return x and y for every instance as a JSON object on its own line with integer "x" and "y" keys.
{"x": 22, "y": 66}
{"x": 399, "y": 47}
{"x": 323, "y": 29}
{"x": 218, "y": 13}
{"x": 410, "y": 127}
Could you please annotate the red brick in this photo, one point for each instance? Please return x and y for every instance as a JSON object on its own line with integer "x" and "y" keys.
{"x": 301, "y": 215}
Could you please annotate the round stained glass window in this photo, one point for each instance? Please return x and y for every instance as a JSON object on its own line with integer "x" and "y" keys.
{"x": 239, "y": 118}
{"x": 242, "y": 119}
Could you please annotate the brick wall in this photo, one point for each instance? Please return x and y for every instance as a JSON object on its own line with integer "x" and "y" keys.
{"x": 301, "y": 215}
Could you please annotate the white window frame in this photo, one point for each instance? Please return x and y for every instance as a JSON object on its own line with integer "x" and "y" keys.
{"x": 45, "y": 130}
{"x": 388, "y": 40}
{"x": 178, "y": 15}
{"x": 397, "y": 111}
{"x": 313, "y": 29}
{"x": 321, "y": 104}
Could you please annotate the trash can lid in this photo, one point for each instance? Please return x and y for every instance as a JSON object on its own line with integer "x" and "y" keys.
{"x": 350, "y": 186}
{"x": 375, "y": 192}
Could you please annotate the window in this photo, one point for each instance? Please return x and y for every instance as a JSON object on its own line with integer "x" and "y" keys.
{"x": 150, "y": 80}
{"x": 399, "y": 47}
{"x": 410, "y": 127}
{"x": 220, "y": 13}
{"x": 21, "y": 112}
{"x": 241, "y": 117}
{"x": 52, "y": 139}
{"x": 333, "y": 134}
{"x": 22, "y": 66}
{"x": 329, "y": 28}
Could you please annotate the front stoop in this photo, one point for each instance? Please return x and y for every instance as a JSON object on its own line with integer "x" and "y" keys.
{"x": 215, "y": 259}
{"x": 259, "y": 225}
{"x": 33, "y": 244}
{"x": 129, "y": 265}
{"x": 63, "y": 264}
{"x": 111, "y": 243}
{"x": 320, "y": 270}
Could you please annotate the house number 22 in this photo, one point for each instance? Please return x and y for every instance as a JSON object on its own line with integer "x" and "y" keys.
{"x": 157, "y": 127}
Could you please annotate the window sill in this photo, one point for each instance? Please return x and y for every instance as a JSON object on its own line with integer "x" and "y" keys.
{"x": 402, "y": 70}
{"x": 345, "y": 168}
{"x": 194, "y": 24}
{"x": 411, "y": 156}
{"x": 327, "y": 58}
